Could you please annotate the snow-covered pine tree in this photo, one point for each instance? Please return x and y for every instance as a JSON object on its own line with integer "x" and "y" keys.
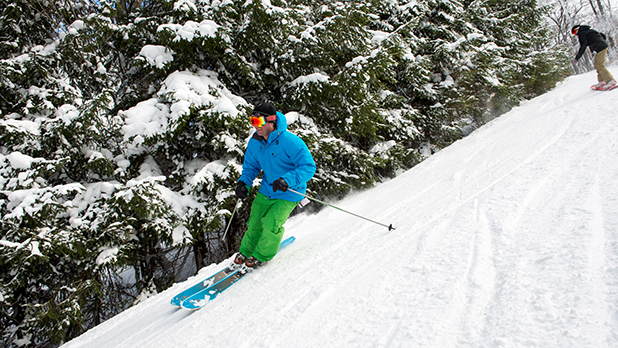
{"x": 59, "y": 142}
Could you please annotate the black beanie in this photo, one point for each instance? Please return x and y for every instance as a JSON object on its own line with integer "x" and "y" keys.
{"x": 264, "y": 109}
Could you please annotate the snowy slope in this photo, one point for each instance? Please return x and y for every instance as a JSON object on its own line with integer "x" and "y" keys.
{"x": 508, "y": 238}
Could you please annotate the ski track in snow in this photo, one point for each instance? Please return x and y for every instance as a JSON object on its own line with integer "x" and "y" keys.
{"x": 508, "y": 238}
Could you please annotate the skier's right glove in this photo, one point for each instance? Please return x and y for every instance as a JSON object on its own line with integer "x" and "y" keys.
{"x": 242, "y": 190}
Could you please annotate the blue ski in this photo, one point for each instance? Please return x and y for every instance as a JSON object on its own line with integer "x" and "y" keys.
{"x": 212, "y": 280}
{"x": 200, "y": 298}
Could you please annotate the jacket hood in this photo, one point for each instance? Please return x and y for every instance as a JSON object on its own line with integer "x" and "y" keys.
{"x": 282, "y": 122}
{"x": 282, "y": 126}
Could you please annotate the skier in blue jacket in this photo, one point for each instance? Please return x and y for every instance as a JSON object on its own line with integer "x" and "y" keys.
{"x": 286, "y": 163}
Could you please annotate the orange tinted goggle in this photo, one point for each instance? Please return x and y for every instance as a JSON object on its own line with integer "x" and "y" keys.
{"x": 575, "y": 31}
{"x": 260, "y": 121}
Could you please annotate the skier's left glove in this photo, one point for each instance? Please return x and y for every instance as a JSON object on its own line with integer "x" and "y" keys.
{"x": 280, "y": 185}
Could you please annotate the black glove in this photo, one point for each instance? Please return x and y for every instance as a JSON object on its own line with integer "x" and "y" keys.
{"x": 242, "y": 191}
{"x": 280, "y": 185}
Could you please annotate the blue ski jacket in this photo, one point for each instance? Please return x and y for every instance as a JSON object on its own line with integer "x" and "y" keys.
{"x": 283, "y": 155}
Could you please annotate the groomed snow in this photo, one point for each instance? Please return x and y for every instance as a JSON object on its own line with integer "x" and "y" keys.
{"x": 507, "y": 238}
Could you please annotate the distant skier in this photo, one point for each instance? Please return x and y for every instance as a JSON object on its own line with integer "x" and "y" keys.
{"x": 287, "y": 163}
{"x": 596, "y": 41}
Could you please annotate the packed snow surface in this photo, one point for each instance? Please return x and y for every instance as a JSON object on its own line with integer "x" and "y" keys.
{"x": 507, "y": 238}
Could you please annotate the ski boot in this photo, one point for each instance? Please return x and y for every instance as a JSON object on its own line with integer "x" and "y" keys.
{"x": 239, "y": 260}
{"x": 250, "y": 265}
{"x": 610, "y": 85}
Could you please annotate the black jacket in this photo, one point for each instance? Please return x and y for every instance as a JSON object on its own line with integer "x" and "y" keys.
{"x": 590, "y": 38}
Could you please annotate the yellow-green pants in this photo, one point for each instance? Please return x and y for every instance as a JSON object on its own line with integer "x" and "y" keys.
{"x": 265, "y": 227}
{"x": 603, "y": 75}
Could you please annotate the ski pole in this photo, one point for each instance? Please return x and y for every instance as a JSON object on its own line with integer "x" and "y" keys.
{"x": 390, "y": 227}
{"x": 230, "y": 222}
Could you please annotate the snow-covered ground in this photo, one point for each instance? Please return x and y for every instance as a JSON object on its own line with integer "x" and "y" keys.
{"x": 507, "y": 238}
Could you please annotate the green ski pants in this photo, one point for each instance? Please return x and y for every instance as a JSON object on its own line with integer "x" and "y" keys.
{"x": 265, "y": 227}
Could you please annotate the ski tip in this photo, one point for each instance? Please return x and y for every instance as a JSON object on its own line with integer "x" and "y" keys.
{"x": 190, "y": 308}
{"x": 194, "y": 305}
{"x": 177, "y": 301}
{"x": 287, "y": 242}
